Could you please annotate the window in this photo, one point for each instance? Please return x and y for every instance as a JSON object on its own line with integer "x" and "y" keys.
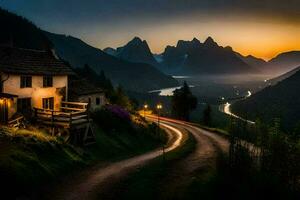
{"x": 24, "y": 105}
{"x": 48, "y": 103}
{"x": 47, "y": 81}
{"x": 1, "y": 86}
{"x": 97, "y": 101}
{"x": 26, "y": 82}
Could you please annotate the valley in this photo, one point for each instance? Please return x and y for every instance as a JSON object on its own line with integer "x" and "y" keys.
{"x": 152, "y": 99}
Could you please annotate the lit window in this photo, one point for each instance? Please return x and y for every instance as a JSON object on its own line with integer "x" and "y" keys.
{"x": 48, "y": 103}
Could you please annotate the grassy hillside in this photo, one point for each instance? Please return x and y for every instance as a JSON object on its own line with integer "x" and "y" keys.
{"x": 31, "y": 159}
{"x": 278, "y": 101}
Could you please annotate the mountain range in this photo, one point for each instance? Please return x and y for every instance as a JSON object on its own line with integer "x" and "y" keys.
{"x": 194, "y": 57}
{"x": 277, "y": 101}
{"x": 139, "y": 77}
{"x": 188, "y": 57}
{"x": 135, "y": 59}
{"x": 21, "y": 33}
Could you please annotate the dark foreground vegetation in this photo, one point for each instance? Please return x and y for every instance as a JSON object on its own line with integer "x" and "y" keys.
{"x": 31, "y": 160}
{"x": 147, "y": 182}
{"x": 263, "y": 163}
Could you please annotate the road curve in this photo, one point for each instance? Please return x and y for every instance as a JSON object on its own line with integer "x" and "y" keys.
{"x": 86, "y": 184}
{"x": 208, "y": 147}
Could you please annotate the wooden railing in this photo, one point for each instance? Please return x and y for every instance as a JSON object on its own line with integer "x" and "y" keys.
{"x": 17, "y": 123}
{"x": 74, "y": 106}
{"x": 72, "y": 113}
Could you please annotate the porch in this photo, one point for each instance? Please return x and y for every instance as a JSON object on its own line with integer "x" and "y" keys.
{"x": 70, "y": 114}
{"x": 71, "y": 121}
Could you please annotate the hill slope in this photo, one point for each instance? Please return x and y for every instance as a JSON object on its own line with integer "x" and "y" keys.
{"x": 285, "y": 61}
{"x": 19, "y": 32}
{"x": 257, "y": 63}
{"x": 278, "y": 101}
{"x": 275, "y": 80}
{"x": 132, "y": 76}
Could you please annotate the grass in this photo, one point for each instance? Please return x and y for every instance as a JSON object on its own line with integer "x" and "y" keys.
{"x": 215, "y": 130}
{"x": 31, "y": 159}
{"x": 115, "y": 146}
{"x": 145, "y": 182}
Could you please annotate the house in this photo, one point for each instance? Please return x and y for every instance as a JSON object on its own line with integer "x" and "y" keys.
{"x": 38, "y": 81}
{"x": 31, "y": 79}
{"x": 80, "y": 90}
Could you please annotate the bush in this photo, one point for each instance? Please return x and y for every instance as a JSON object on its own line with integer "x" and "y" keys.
{"x": 113, "y": 118}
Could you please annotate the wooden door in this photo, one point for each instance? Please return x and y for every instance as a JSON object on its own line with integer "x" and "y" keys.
{"x": 3, "y": 111}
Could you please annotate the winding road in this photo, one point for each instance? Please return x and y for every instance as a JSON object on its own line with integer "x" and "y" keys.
{"x": 90, "y": 183}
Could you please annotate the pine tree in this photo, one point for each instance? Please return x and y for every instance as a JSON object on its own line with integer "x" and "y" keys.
{"x": 207, "y": 120}
{"x": 183, "y": 102}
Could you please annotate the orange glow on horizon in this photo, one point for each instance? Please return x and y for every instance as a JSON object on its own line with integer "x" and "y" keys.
{"x": 247, "y": 36}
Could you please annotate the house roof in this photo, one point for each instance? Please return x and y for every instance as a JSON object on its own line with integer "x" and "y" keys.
{"x": 7, "y": 96}
{"x": 79, "y": 87}
{"x": 33, "y": 62}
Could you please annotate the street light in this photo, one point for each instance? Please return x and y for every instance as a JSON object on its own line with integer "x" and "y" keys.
{"x": 159, "y": 107}
{"x": 145, "y": 108}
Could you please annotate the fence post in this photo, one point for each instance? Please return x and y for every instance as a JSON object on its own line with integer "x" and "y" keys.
{"x": 70, "y": 118}
{"x": 52, "y": 117}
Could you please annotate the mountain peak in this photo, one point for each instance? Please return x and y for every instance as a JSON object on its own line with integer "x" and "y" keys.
{"x": 195, "y": 40}
{"x": 182, "y": 44}
{"x": 110, "y": 51}
{"x": 210, "y": 42}
{"x": 136, "y": 40}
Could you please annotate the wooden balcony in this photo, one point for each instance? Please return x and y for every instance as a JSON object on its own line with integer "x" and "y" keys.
{"x": 71, "y": 114}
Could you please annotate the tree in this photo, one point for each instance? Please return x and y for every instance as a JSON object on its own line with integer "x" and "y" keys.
{"x": 183, "y": 102}
{"x": 207, "y": 115}
{"x": 120, "y": 98}
{"x": 99, "y": 80}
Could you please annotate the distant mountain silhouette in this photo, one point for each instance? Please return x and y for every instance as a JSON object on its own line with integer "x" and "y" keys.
{"x": 282, "y": 77}
{"x": 284, "y": 62}
{"x": 139, "y": 77}
{"x": 278, "y": 101}
{"x": 174, "y": 58}
{"x": 110, "y": 51}
{"x": 255, "y": 62}
{"x": 17, "y": 31}
{"x": 136, "y": 51}
{"x": 194, "y": 57}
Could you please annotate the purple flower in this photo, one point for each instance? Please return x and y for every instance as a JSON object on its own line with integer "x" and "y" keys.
{"x": 118, "y": 112}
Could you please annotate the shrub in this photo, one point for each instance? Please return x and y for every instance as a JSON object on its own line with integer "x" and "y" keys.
{"x": 113, "y": 118}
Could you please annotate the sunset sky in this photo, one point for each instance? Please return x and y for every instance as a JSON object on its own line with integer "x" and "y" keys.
{"x": 262, "y": 28}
